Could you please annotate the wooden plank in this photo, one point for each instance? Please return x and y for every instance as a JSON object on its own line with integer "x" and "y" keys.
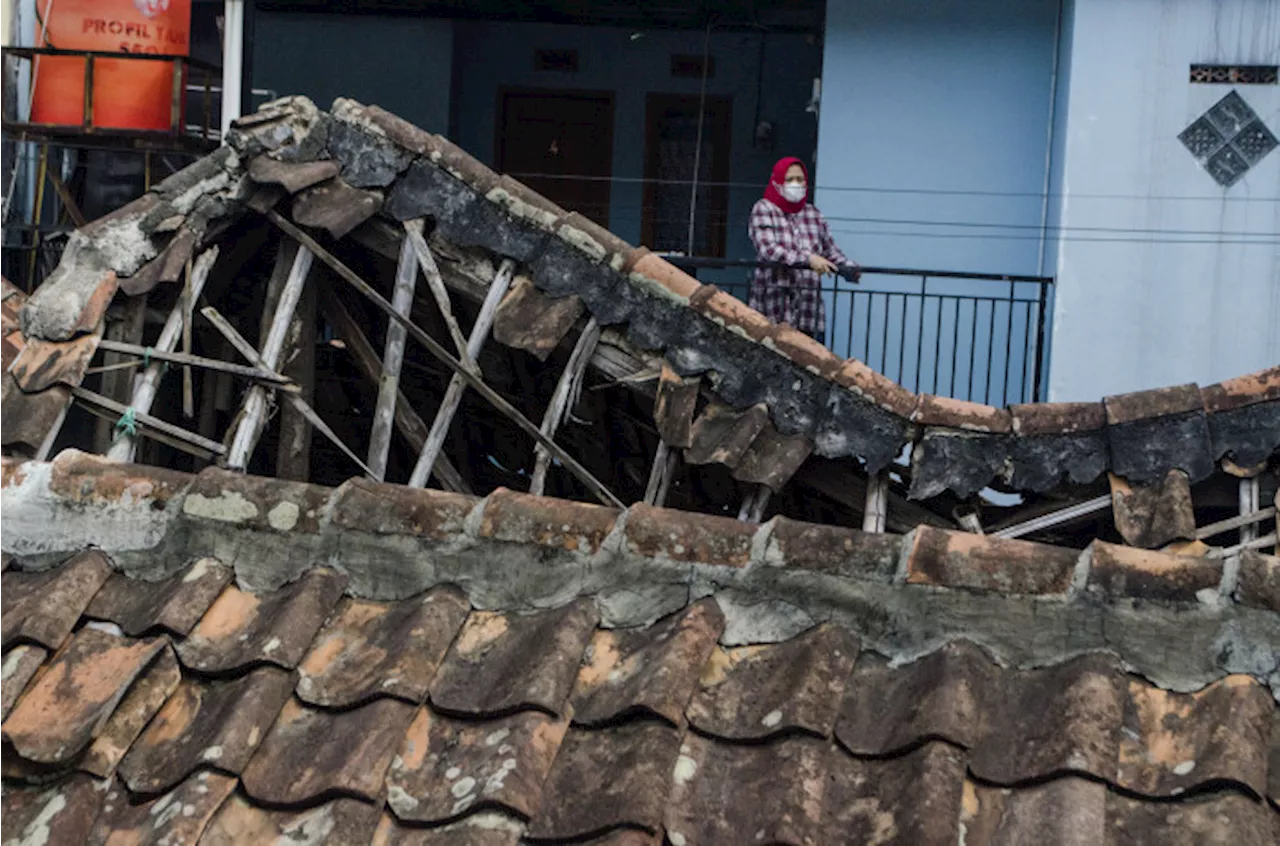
{"x": 254, "y": 411}
{"x": 657, "y": 471}
{"x": 304, "y": 408}
{"x": 293, "y": 454}
{"x": 188, "y": 306}
{"x": 1243, "y": 520}
{"x": 392, "y": 358}
{"x": 144, "y": 394}
{"x": 473, "y": 380}
{"x": 198, "y": 361}
{"x": 876, "y": 512}
{"x": 413, "y": 233}
{"x": 1075, "y": 511}
{"x": 171, "y": 434}
{"x": 570, "y": 378}
{"x": 411, "y": 426}
{"x": 453, "y": 393}
{"x": 118, "y": 384}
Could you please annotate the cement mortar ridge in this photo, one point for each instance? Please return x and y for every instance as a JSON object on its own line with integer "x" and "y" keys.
{"x": 1179, "y": 646}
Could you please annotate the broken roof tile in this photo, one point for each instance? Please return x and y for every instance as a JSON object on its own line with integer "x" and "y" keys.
{"x": 95, "y": 480}
{"x": 44, "y": 364}
{"x": 1242, "y": 391}
{"x": 29, "y": 418}
{"x": 1065, "y": 811}
{"x": 67, "y": 707}
{"x": 654, "y": 669}
{"x": 487, "y": 828}
{"x": 685, "y": 536}
{"x": 833, "y": 550}
{"x": 525, "y": 518}
{"x": 876, "y": 388}
{"x": 1172, "y": 742}
{"x": 372, "y": 649}
{"x": 1057, "y": 418}
{"x": 179, "y": 816}
{"x": 241, "y": 629}
{"x": 1259, "y": 582}
{"x": 20, "y": 664}
{"x": 175, "y": 604}
{"x": 1052, "y": 720}
{"x": 399, "y": 130}
{"x": 338, "y": 822}
{"x": 501, "y": 662}
{"x": 224, "y": 497}
{"x": 579, "y": 799}
{"x": 1223, "y": 818}
{"x": 1273, "y": 760}
{"x": 395, "y": 509}
{"x": 43, "y": 607}
{"x": 310, "y": 752}
{"x": 530, "y": 320}
{"x": 986, "y": 563}
{"x": 144, "y": 699}
{"x": 731, "y": 793}
{"x": 63, "y": 812}
{"x": 753, "y": 692}
{"x": 335, "y": 206}
{"x": 674, "y": 406}
{"x": 206, "y": 723}
{"x": 1146, "y": 405}
{"x": 1123, "y": 571}
{"x": 961, "y": 414}
{"x": 449, "y": 767}
{"x": 292, "y": 176}
{"x": 805, "y": 351}
{"x": 722, "y": 434}
{"x": 169, "y": 266}
{"x": 946, "y": 694}
{"x": 1152, "y": 515}
{"x": 910, "y": 799}
{"x": 731, "y": 313}
{"x": 666, "y": 274}
{"x": 773, "y": 458}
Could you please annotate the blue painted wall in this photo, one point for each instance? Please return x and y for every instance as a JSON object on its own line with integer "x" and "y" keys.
{"x": 400, "y": 63}
{"x": 492, "y": 55}
{"x": 932, "y": 153}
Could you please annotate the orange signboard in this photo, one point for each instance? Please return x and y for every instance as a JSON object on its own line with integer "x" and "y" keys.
{"x": 126, "y": 93}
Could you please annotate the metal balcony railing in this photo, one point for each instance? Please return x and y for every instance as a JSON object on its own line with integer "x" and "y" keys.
{"x": 972, "y": 336}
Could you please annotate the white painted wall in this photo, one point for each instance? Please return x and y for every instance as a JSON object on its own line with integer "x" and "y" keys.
{"x": 1163, "y": 276}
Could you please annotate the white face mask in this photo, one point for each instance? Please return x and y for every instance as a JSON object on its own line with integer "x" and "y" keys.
{"x": 794, "y": 192}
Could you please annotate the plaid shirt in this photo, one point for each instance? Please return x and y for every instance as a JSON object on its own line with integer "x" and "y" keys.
{"x": 786, "y": 295}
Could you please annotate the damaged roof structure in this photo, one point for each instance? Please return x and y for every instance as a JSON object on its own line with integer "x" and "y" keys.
{"x": 636, "y": 607}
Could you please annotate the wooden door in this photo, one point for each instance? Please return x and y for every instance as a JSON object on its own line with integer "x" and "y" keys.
{"x": 560, "y": 144}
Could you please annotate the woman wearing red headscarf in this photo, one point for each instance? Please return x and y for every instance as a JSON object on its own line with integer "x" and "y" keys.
{"x": 788, "y": 230}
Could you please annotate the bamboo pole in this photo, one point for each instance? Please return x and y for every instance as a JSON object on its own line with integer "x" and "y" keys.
{"x": 392, "y": 358}
{"x": 566, "y": 388}
{"x": 418, "y": 244}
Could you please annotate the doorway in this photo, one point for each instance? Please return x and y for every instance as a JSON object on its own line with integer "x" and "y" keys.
{"x": 671, "y": 149}
{"x": 560, "y": 144}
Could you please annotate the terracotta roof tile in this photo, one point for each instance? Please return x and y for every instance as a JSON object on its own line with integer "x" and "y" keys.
{"x": 876, "y": 388}
{"x": 310, "y": 752}
{"x": 20, "y": 664}
{"x": 773, "y": 458}
{"x": 614, "y": 250}
{"x": 1152, "y": 515}
{"x": 722, "y": 434}
{"x": 401, "y": 132}
{"x": 1214, "y": 819}
{"x": 653, "y": 669}
{"x": 206, "y": 723}
{"x": 372, "y": 649}
{"x": 179, "y": 816}
{"x": 674, "y": 407}
{"x": 946, "y": 694}
{"x": 339, "y": 822}
{"x": 449, "y": 767}
{"x": 487, "y": 828}
{"x": 834, "y": 550}
{"x": 501, "y": 662}
{"x": 1172, "y": 742}
{"x": 684, "y": 536}
{"x": 1062, "y": 812}
{"x": 175, "y": 604}
{"x": 91, "y": 480}
{"x": 28, "y": 418}
{"x": 292, "y": 176}
{"x": 223, "y": 498}
{"x": 242, "y": 629}
{"x": 43, "y": 607}
{"x": 523, "y": 518}
{"x": 1057, "y": 418}
{"x": 335, "y": 206}
{"x": 463, "y": 165}
{"x": 1122, "y": 571}
{"x": 1242, "y": 391}
{"x": 961, "y": 414}
{"x": 1145, "y": 405}
{"x": 1065, "y": 718}
{"x": 43, "y": 364}
{"x": 63, "y": 812}
{"x": 728, "y": 793}
{"x": 1259, "y": 583}
{"x": 67, "y": 707}
{"x": 731, "y": 313}
{"x": 1273, "y": 760}
{"x": 1146, "y": 449}
{"x": 914, "y": 798}
{"x": 169, "y": 266}
{"x": 753, "y": 692}
{"x": 666, "y": 274}
{"x": 579, "y": 799}
{"x": 132, "y": 715}
{"x": 530, "y": 320}
{"x": 985, "y": 563}
{"x": 805, "y": 351}
{"x": 396, "y": 509}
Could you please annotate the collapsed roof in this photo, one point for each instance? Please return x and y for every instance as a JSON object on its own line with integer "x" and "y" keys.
{"x": 311, "y": 654}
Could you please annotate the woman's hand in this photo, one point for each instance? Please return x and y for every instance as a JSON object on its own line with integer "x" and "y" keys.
{"x": 821, "y": 265}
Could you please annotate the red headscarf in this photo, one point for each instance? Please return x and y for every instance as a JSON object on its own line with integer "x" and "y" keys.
{"x": 779, "y": 176}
